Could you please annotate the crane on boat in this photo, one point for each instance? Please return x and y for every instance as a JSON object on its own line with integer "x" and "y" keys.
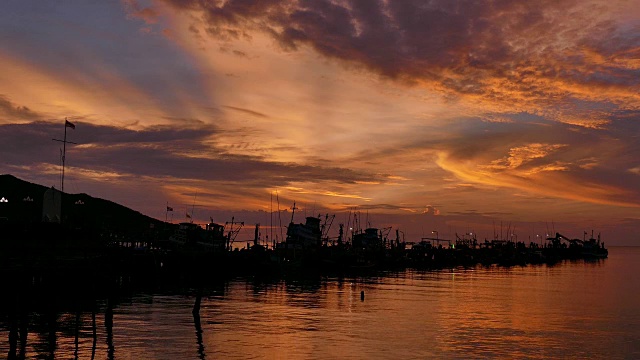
{"x": 232, "y": 232}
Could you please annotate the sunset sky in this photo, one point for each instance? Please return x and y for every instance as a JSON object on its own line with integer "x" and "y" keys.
{"x": 453, "y": 116}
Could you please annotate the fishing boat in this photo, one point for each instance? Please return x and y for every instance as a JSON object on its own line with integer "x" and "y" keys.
{"x": 581, "y": 248}
{"x": 211, "y": 238}
{"x": 594, "y": 248}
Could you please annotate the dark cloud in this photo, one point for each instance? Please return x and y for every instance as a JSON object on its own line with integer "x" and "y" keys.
{"x": 499, "y": 50}
{"x": 383, "y": 207}
{"x": 37, "y": 135}
{"x": 11, "y": 111}
{"x": 247, "y": 111}
{"x": 148, "y": 15}
{"x": 157, "y": 151}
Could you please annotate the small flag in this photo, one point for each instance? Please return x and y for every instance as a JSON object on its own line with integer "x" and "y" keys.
{"x": 188, "y": 216}
{"x": 169, "y": 208}
{"x": 67, "y": 123}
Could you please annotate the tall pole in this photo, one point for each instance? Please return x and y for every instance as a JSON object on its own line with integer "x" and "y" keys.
{"x": 64, "y": 152}
{"x": 64, "y": 149}
{"x": 60, "y": 166}
{"x": 279, "y": 218}
{"x": 64, "y": 155}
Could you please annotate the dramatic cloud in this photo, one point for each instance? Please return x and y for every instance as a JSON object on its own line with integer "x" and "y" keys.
{"x": 499, "y": 54}
{"x": 586, "y": 166}
{"x": 162, "y": 152}
{"x": 475, "y": 111}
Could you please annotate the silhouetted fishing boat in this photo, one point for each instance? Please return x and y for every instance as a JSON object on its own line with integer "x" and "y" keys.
{"x": 577, "y": 248}
{"x": 594, "y": 248}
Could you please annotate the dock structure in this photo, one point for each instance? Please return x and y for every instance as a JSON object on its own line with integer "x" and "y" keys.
{"x": 98, "y": 233}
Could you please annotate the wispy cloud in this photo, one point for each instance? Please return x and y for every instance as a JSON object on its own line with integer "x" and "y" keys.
{"x": 558, "y": 170}
{"x": 247, "y": 111}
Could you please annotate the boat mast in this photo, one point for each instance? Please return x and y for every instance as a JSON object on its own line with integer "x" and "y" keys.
{"x": 279, "y": 217}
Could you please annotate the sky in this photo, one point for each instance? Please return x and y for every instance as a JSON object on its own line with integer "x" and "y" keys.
{"x": 508, "y": 118}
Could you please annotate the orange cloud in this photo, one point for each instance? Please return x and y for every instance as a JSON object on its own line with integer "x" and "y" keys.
{"x": 554, "y": 182}
{"x": 519, "y": 57}
{"x": 521, "y": 155}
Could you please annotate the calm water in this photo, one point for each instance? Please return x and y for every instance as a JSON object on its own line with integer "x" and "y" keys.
{"x": 571, "y": 310}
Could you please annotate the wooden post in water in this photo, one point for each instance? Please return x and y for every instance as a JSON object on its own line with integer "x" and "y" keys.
{"x": 197, "y": 323}
{"x": 196, "y": 305}
{"x": 52, "y": 338}
{"x": 13, "y": 336}
{"x": 77, "y": 334}
{"x": 108, "y": 323}
{"x": 24, "y": 325}
{"x": 95, "y": 337}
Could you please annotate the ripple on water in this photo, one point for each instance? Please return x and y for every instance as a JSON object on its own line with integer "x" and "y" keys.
{"x": 571, "y": 310}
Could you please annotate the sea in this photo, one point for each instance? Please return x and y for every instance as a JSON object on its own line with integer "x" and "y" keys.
{"x": 569, "y": 310}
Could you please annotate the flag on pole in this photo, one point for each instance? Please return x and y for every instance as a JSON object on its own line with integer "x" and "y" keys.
{"x": 169, "y": 208}
{"x": 188, "y": 216}
{"x": 67, "y": 123}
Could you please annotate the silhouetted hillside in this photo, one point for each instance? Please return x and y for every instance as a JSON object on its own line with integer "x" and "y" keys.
{"x": 23, "y": 205}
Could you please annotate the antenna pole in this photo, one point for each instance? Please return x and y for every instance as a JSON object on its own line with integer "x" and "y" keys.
{"x": 64, "y": 155}
{"x": 60, "y": 167}
{"x": 193, "y": 206}
{"x": 293, "y": 211}
{"x": 279, "y": 218}
{"x": 64, "y": 151}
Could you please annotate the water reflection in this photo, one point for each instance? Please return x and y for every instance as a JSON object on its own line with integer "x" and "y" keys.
{"x": 108, "y": 324}
{"x": 197, "y": 324}
{"x": 572, "y": 309}
{"x": 49, "y": 330}
{"x": 95, "y": 337}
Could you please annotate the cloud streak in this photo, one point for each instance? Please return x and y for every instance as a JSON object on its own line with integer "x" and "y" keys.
{"x": 588, "y": 167}
{"x": 162, "y": 152}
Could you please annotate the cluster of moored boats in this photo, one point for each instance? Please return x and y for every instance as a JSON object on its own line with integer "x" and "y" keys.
{"x": 306, "y": 245}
